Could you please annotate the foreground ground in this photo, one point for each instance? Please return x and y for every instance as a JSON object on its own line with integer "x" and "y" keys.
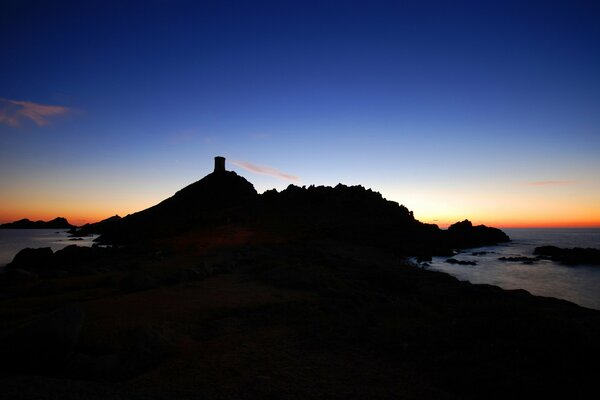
{"x": 248, "y": 317}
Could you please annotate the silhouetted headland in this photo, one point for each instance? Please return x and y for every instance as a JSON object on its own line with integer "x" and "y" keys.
{"x": 222, "y": 293}
{"x": 349, "y": 213}
{"x": 56, "y": 223}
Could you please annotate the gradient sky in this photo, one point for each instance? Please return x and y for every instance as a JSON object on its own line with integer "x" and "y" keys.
{"x": 487, "y": 110}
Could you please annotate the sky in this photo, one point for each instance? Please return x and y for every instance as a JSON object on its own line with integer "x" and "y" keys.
{"x": 486, "y": 110}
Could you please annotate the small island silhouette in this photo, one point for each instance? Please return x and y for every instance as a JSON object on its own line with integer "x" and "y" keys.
{"x": 221, "y": 292}
{"x": 56, "y": 223}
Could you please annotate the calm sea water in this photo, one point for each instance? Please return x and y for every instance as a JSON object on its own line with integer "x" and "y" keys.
{"x": 579, "y": 284}
{"x": 13, "y": 240}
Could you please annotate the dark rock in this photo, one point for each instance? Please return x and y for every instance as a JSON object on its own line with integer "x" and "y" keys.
{"x": 32, "y": 258}
{"x": 460, "y": 262}
{"x": 574, "y": 256}
{"x": 96, "y": 227}
{"x": 464, "y": 234}
{"x": 71, "y": 260}
{"x": 74, "y": 255}
{"x": 219, "y": 198}
{"x": 525, "y": 260}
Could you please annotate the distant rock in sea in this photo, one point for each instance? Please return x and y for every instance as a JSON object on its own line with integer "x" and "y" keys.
{"x": 56, "y": 223}
{"x": 572, "y": 256}
{"x": 521, "y": 259}
{"x": 460, "y": 262}
{"x": 463, "y": 235}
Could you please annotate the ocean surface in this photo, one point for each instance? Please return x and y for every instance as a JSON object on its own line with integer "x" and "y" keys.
{"x": 579, "y": 284}
{"x": 13, "y": 240}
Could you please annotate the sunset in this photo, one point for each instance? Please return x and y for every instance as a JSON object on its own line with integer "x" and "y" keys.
{"x": 230, "y": 199}
{"x": 108, "y": 108}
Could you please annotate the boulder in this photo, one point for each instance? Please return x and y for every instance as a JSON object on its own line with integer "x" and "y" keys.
{"x": 460, "y": 262}
{"x": 463, "y": 235}
{"x": 29, "y": 258}
{"x": 572, "y": 256}
{"x": 522, "y": 259}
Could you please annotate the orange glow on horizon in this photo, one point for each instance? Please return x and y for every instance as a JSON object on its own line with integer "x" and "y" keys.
{"x": 440, "y": 207}
{"x": 77, "y": 220}
{"x": 82, "y": 219}
{"x": 526, "y": 224}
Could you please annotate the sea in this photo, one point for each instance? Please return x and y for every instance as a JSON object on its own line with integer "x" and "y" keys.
{"x": 14, "y": 240}
{"x": 578, "y": 284}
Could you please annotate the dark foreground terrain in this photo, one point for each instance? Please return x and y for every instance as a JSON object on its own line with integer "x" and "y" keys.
{"x": 245, "y": 315}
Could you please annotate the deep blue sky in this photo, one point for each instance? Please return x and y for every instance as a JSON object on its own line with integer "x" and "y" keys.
{"x": 482, "y": 109}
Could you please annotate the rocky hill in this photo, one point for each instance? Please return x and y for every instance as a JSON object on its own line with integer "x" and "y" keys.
{"x": 350, "y": 213}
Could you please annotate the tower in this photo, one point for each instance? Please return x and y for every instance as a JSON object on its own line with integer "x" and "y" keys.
{"x": 219, "y": 164}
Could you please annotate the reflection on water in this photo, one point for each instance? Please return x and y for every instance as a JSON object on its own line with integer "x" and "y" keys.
{"x": 579, "y": 284}
{"x": 13, "y": 240}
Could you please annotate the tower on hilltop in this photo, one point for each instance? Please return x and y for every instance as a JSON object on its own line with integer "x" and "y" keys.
{"x": 219, "y": 164}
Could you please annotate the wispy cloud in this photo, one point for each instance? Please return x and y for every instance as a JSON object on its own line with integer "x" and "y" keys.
{"x": 262, "y": 170}
{"x": 13, "y": 112}
{"x": 550, "y": 183}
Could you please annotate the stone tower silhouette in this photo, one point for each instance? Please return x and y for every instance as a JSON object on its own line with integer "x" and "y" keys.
{"x": 219, "y": 164}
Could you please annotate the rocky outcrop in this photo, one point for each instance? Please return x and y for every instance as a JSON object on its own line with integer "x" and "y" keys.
{"x": 29, "y": 258}
{"x": 572, "y": 256}
{"x": 348, "y": 213}
{"x": 96, "y": 227}
{"x": 219, "y": 198}
{"x": 521, "y": 259}
{"x": 463, "y": 235}
{"x": 460, "y": 262}
{"x": 73, "y": 259}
